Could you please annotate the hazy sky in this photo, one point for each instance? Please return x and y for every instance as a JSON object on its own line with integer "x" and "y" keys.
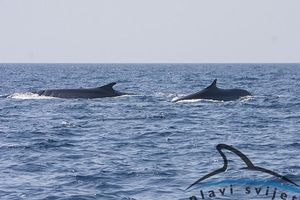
{"x": 149, "y": 31}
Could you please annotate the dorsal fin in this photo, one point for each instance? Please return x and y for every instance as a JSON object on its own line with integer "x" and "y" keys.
{"x": 108, "y": 86}
{"x": 213, "y": 85}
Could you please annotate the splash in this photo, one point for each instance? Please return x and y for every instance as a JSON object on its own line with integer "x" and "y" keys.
{"x": 28, "y": 95}
{"x": 195, "y": 100}
{"x": 246, "y": 98}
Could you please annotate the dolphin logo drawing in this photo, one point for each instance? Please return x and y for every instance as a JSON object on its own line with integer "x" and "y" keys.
{"x": 245, "y": 159}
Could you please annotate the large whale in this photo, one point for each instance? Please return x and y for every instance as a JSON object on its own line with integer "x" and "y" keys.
{"x": 87, "y": 93}
{"x": 214, "y": 93}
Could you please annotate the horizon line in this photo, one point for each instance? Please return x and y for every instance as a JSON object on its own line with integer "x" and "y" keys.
{"x": 233, "y": 63}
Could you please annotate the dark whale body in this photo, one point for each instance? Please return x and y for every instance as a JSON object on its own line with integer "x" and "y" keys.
{"x": 87, "y": 93}
{"x": 214, "y": 93}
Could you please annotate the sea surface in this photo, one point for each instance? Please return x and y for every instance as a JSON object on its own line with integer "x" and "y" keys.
{"x": 142, "y": 146}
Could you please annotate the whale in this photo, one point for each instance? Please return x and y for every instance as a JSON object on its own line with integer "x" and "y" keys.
{"x": 248, "y": 166}
{"x": 214, "y": 93}
{"x": 86, "y": 93}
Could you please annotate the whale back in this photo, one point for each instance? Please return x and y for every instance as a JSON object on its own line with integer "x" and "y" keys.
{"x": 89, "y": 93}
{"x": 214, "y": 93}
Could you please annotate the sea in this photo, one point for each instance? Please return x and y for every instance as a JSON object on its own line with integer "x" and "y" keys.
{"x": 145, "y": 146}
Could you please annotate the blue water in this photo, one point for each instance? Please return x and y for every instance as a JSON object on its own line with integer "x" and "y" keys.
{"x": 143, "y": 146}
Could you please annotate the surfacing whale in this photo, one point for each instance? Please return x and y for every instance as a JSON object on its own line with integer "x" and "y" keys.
{"x": 214, "y": 93}
{"x": 87, "y": 93}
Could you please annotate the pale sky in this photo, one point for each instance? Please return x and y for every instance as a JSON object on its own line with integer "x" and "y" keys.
{"x": 149, "y": 31}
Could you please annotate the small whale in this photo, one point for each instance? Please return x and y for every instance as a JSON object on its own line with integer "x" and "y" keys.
{"x": 214, "y": 93}
{"x": 248, "y": 166}
{"x": 87, "y": 93}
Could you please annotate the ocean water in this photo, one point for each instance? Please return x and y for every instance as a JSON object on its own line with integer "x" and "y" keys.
{"x": 142, "y": 146}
